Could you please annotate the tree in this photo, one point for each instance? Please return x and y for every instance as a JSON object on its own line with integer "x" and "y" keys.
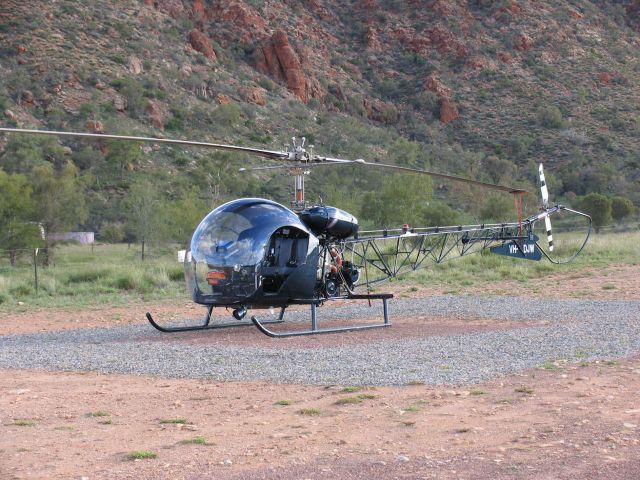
{"x": 59, "y": 198}
{"x": 184, "y": 215}
{"x": 404, "y": 152}
{"x": 598, "y": 207}
{"x": 144, "y": 207}
{"x": 439, "y": 214}
{"x": 112, "y": 232}
{"x": 122, "y": 154}
{"x": 621, "y": 207}
{"x": 16, "y": 207}
{"x": 496, "y": 208}
{"x": 399, "y": 201}
{"x": 23, "y": 153}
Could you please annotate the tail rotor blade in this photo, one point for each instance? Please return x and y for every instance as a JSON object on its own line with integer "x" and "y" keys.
{"x": 545, "y": 204}
{"x": 543, "y": 188}
{"x": 547, "y": 224}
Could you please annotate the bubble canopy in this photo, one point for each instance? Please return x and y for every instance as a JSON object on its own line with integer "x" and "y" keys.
{"x": 238, "y": 231}
{"x": 233, "y": 239}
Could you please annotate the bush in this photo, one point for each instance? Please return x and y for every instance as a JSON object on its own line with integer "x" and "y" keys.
{"x": 550, "y": 117}
{"x": 621, "y": 207}
{"x": 227, "y": 114}
{"x": 113, "y": 232}
{"x": 598, "y": 207}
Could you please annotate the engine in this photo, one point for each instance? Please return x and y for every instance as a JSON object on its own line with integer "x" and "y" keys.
{"x": 329, "y": 221}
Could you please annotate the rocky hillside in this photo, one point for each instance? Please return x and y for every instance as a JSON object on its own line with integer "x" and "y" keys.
{"x": 481, "y": 88}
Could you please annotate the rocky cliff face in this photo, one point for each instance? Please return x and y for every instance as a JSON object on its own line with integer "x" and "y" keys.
{"x": 473, "y": 75}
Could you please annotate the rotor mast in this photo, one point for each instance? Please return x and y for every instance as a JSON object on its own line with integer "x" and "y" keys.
{"x": 298, "y": 153}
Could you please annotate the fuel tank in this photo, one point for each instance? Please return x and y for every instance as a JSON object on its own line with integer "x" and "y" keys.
{"x": 330, "y": 221}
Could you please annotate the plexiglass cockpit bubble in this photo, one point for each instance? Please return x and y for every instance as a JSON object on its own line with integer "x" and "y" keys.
{"x": 228, "y": 247}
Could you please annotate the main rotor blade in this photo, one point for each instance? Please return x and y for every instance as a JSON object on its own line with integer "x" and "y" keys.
{"x": 399, "y": 168}
{"x": 217, "y": 146}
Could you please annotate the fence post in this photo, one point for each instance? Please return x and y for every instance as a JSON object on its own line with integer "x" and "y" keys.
{"x": 35, "y": 267}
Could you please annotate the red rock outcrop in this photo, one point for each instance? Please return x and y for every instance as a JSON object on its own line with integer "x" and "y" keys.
{"x": 371, "y": 36}
{"x": 380, "y": 111}
{"x": 253, "y": 95}
{"x": 368, "y": 5}
{"x": 198, "y": 9}
{"x": 523, "y": 42}
{"x": 156, "y": 113}
{"x": 448, "y": 111}
{"x": 175, "y": 8}
{"x": 505, "y": 57}
{"x": 435, "y": 85}
{"x": 278, "y": 59}
{"x": 446, "y": 42}
{"x": 243, "y": 17}
{"x": 95, "y": 126}
{"x": 200, "y": 42}
{"x": 134, "y": 65}
{"x": 27, "y": 97}
{"x": 605, "y": 78}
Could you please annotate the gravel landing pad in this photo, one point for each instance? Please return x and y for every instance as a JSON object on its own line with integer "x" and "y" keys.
{"x": 538, "y": 330}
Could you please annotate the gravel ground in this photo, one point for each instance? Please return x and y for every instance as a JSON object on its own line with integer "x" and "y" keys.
{"x": 577, "y": 330}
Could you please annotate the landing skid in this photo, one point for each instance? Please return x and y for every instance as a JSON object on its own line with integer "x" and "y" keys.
{"x": 206, "y": 325}
{"x": 314, "y": 321}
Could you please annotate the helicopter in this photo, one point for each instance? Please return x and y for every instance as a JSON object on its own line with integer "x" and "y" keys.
{"x": 254, "y": 253}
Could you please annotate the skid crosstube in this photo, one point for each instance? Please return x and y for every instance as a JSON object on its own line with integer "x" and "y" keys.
{"x": 206, "y": 325}
{"x": 314, "y": 321}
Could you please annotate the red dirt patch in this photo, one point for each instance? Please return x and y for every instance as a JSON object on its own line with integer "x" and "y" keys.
{"x": 568, "y": 423}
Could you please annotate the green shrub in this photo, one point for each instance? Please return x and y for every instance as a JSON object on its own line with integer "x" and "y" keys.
{"x": 599, "y": 208}
{"x": 621, "y": 207}
{"x": 550, "y": 117}
{"x": 176, "y": 273}
{"x": 227, "y": 114}
{"x": 21, "y": 290}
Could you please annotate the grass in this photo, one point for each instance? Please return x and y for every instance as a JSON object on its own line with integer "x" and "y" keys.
{"x": 114, "y": 274}
{"x": 283, "y": 403}
{"x": 65, "y": 428}
{"x": 309, "y": 411}
{"x": 78, "y": 276}
{"x": 142, "y": 455}
{"x": 416, "y": 407}
{"x": 199, "y": 440}
{"x": 351, "y": 389}
{"x": 524, "y": 389}
{"x": 22, "y": 423}
{"x": 355, "y": 399}
{"x": 550, "y": 365}
{"x": 475, "y": 270}
{"x": 175, "y": 421}
{"x": 98, "y": 413}
{"x": 477, "y": 392}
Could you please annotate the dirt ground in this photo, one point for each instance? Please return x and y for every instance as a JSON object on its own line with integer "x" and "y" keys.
{"x": 563, "y": 421}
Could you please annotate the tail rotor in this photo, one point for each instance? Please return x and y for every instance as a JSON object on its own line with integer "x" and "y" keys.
{"x": 545, "y": 206}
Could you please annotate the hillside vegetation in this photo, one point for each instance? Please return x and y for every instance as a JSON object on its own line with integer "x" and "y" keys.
{"x": 484, "y": 89}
